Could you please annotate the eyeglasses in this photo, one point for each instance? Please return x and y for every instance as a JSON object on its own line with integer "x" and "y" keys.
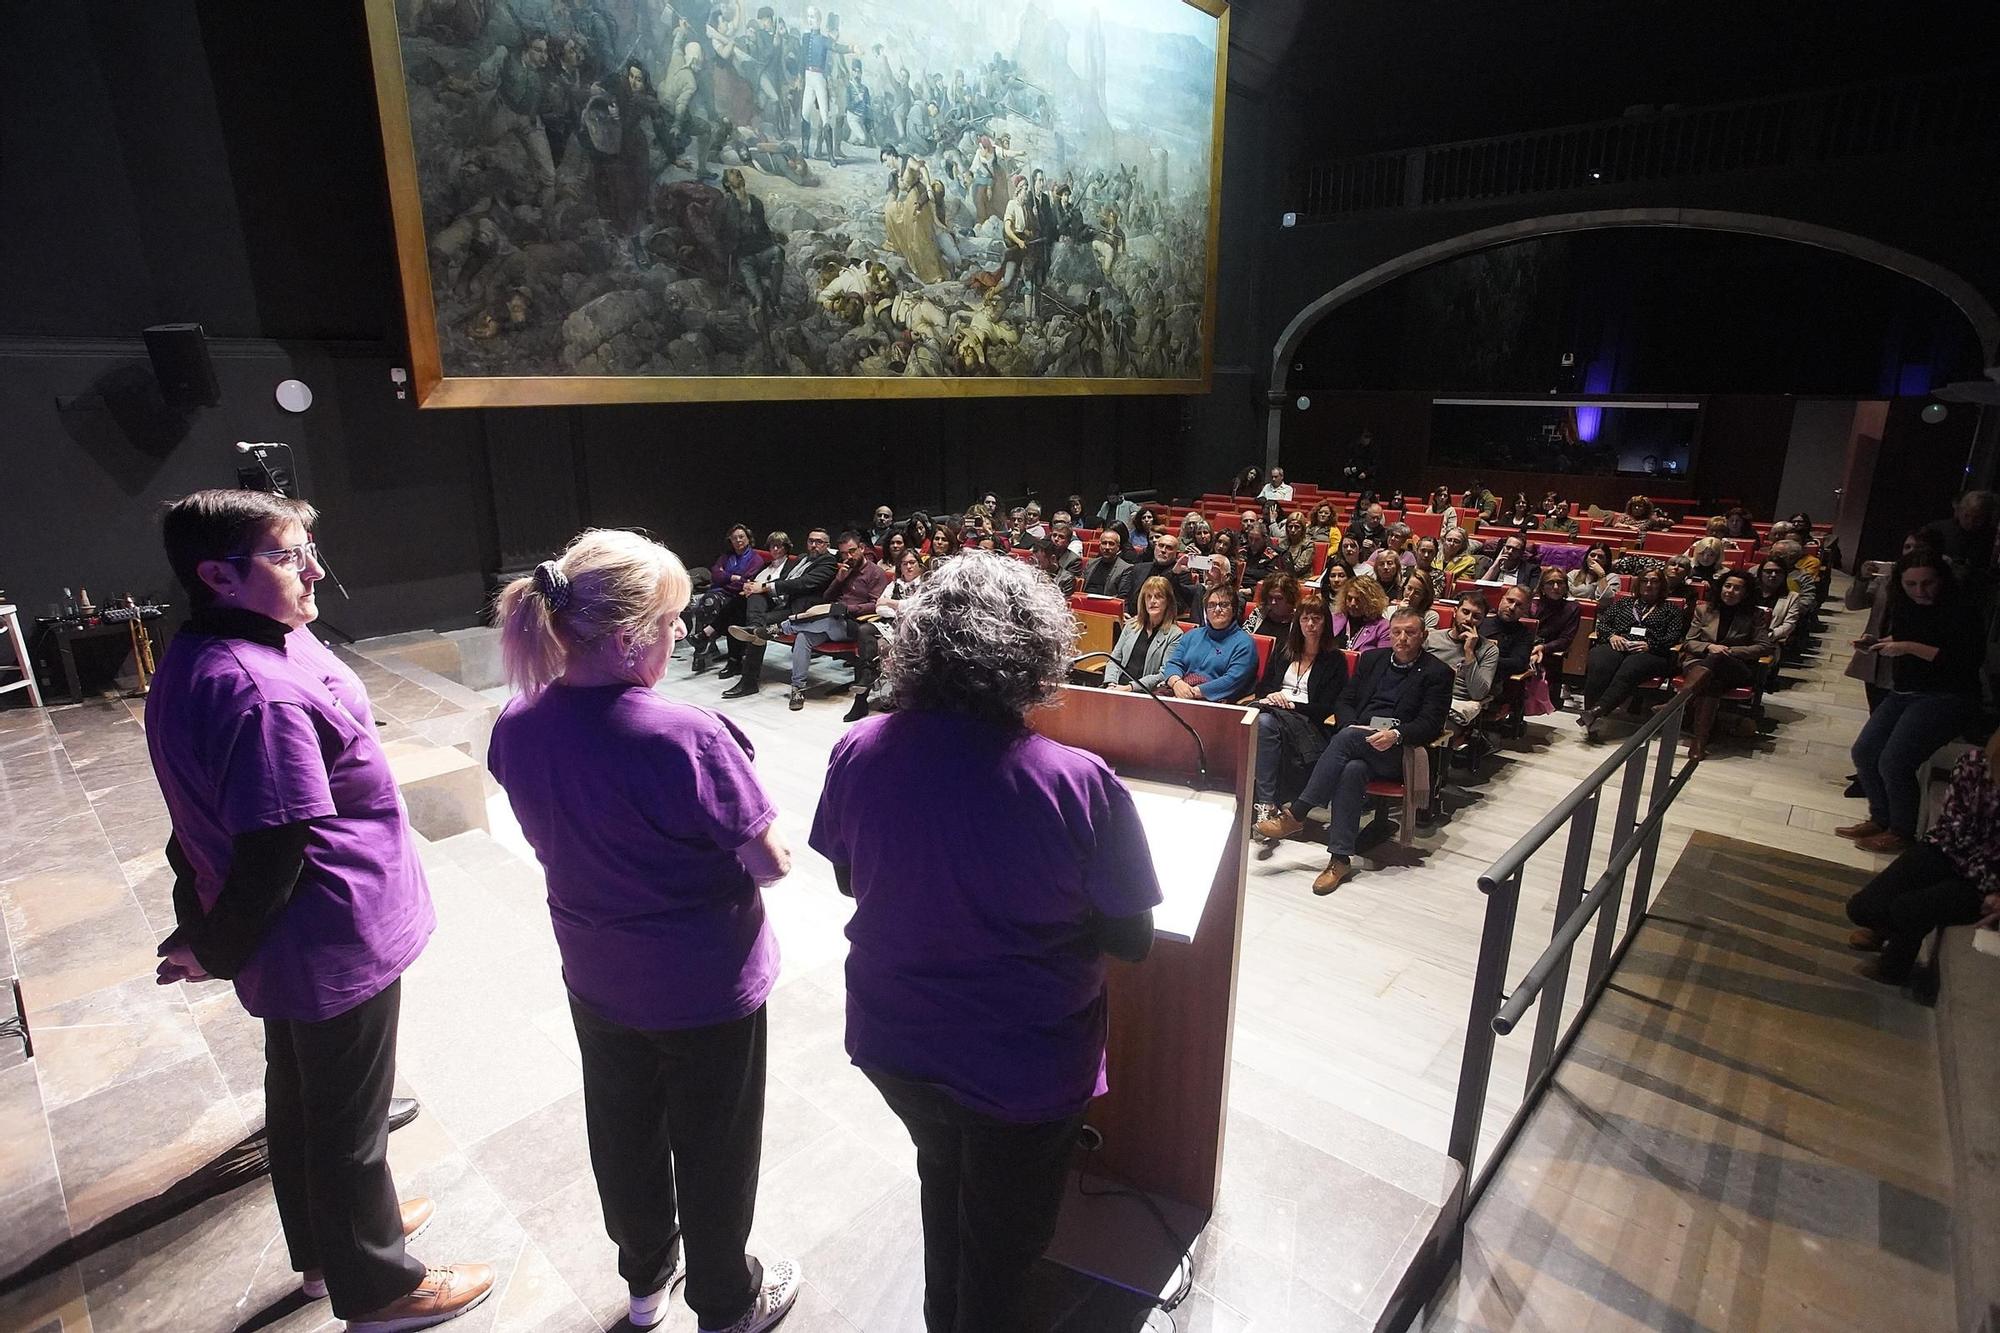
{"x": 285, "y": 557}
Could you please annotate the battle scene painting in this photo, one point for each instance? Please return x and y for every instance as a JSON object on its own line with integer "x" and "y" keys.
{"x": 604, "y": 200}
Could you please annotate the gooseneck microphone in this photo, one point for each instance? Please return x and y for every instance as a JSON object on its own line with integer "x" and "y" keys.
{"x": 1200, "y": 750}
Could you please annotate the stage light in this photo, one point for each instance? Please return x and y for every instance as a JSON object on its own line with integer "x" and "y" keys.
{"x": 1934, "y": 413}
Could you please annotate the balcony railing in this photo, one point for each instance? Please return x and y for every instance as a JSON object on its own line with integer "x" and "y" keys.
{"x": 1944, "y": 110}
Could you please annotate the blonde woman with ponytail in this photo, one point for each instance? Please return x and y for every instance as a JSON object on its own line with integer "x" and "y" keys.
{"x": 655, "y": 837}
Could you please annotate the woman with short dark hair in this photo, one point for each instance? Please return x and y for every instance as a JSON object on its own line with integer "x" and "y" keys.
{"x": 1729, "y": 634}
{"x": 1637, "y": 639}
{"x": 295, "y": 877}
{"x": 976, "y": 984}
{"x": 1295, "y": 698}
{"x": 722, "y": 605}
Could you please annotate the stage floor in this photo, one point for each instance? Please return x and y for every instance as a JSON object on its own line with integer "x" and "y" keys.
{"x": 1347, "y": 1044}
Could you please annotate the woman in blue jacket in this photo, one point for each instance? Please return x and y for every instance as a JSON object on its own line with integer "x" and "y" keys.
{"x": 1216, "y": 660}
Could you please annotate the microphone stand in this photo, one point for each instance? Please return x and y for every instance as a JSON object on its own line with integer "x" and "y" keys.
{"x": 258, "y": 452}
{"x": 1200, "y": 750}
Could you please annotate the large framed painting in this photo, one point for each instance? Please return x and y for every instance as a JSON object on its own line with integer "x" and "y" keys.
{"x": 657, "y": 200}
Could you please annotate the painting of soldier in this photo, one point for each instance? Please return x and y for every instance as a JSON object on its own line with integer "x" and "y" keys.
{"x": 599, "y": 200}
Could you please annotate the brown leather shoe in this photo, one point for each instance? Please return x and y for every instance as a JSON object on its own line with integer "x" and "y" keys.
{"x": 1867, "y": 828}
{"x": 1283, "y": 824}
{"x": 416, "y": 1213}
{"x": 1885, "y": 841}
{"x": 1336, "y": 874}
{"x": 445, "y": 1293}
{"x": 1864, "y": 939}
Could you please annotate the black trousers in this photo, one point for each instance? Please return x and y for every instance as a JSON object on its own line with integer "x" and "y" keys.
{"x": 991, "y": 1190}
{"x": 1609, "y": 675}
{"x": 761, "y": 614}
{"x": 676, "y": 1126}
{"x": 326, "y": 1113}
{"x": 1920, "y": 891}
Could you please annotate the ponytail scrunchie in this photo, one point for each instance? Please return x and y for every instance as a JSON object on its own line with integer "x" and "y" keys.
{"x": 552, "y": 584}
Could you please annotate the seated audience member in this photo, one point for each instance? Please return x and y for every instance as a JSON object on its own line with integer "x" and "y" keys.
{"x": 1440, "y": 503}
{"x": 1273, "y": 606}
{"x": 1115, "y": 509}
{"x": 946, "y": 541}
{"x": 1936, "y": 643}
{"x": 1557, "y": 619}
{"x": 1228, "y": 545}
{"x": 1416, "y": 595}
{"x": 1593, "y": 581}
{"x": 1196, "y": 535}
{"x": 1397, "y": 696}
{"x": 1324, "y": 525}
{"x": 1707, "y": 560}
{"x": 890, "y": 553}
{"x": 1639, "y": 515}
{"x": 879, "y": 530}
{"x": 1386, "y": 569}
{"x": 1675, "y": 572}
{"x": 1224, "y": 572}
{"x": 1951, "y": 877}
{"x": 1170, "y": 564}
{"x": 1458, "y": 560}
{"x": 1805, "y": 585}
{"x": 1637, "y": 639}
{"x": 1508, "y": 630}
{"x": 1075, "y": 509}
{"x": 1720, "y": 654}
{"x": 1108, "y": 574}
{"x": 1259, "y": 556}
{"x": 1348, "y": 553}
{"x": 1369, "y": 531}
{"x": 1248, "y": 483}
{"x": 1063, "y": 533}
{"x": 1785, "y": 606}
{"x": 1966, "y": 539}
{"x": 789, "y": 583}
{"x": 1715, "y": 526}
{"x": 1512, "y": 563}
{"x": 975, "y": 984}
{"x": 1217, "y": 659}
{"x": 722, "y": 605}
{"x": 1332, "y": 579}
{"x": 1058, "y": 562}
{"x": 655, "y": 838}
{"x": 1277, "y": 488}
{"x": 1521, "y": 517}
{"x": 1139, "y": 537}
{"x": 1555, "y": 515}
{"x": 1737, "y": 525}
{"x": 1031, "y": 514}
{"x": 1296, "y": 696}
{"x": 1298, "y": 555}
{"x": 1482, "y": 502}
{"x": 1399, "y": 537}
{"x": 1147, "y": 637}
{"x": 1274, "y": 523}
{"x": 1472, "y": 659}
{"x": 1360, "y": 624}
{"x": 868, "y": 634}
{"x": 852, "y": 592}
{"x": 1430, "y": 559}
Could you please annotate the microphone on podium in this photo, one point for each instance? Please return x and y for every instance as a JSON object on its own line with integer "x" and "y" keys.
{"x": 1200, "y": 750}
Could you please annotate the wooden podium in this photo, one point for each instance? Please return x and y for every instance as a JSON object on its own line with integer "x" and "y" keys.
{"x": 1172, "y": 1015}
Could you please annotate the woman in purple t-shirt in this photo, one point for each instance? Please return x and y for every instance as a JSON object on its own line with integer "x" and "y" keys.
{"x": 975, "y": 986}
{"x": 296, "y": 878}
{"x": 654, "y": 835}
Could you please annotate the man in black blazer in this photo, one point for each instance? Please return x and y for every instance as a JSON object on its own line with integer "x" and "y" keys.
{"x": 777, "y": 594}
{"x": 1108, "y": 574}
{"x": 1397, "y": 696}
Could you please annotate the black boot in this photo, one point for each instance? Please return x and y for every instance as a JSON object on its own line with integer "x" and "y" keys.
{"x": 703, "y": 647}
{"x": 859, "y": 708}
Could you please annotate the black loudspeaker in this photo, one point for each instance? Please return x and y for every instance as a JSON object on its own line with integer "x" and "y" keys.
{"x": 181, "y": 364}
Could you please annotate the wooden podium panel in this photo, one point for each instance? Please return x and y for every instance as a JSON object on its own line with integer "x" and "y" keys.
{"x": 1171, "y": 1016}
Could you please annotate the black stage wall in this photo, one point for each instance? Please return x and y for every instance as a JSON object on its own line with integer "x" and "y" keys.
{"x": 218, "y": 162}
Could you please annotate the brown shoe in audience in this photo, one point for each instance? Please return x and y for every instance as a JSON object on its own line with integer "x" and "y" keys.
{"x": 1338, "y": 871}
{"x": 1864, "y": 939}
{"x": 1283, "y": 824}
{"x": 445, "y": 1293}
{"x": 417, "y": 1215}
{"x": 1886, "y": 841}
{"x": 1867, "y": 828}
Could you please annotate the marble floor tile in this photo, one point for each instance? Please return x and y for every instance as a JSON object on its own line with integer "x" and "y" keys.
{"x": 128, "y": 1143}
{"x": 538, "y": 1155}
{"x": 110, "y": 1037}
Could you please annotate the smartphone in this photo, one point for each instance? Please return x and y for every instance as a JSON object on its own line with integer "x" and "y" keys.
{"x": 1200, "y": 563}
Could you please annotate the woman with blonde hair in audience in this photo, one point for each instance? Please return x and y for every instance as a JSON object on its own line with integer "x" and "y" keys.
{"x": 1362, "y": 621}
{"x": 1417, "y": 596}
{"x": 1458, "y": 560}
{"x": 1708, "y": 560}
{"x": 1593, "y": 581}
{"x": 655, "y": 839}
{"x": 1141, "y": 651}
{"x": 1324, "y": 525}
{"x": 1297, "y": 555}
{"x": 1639, "y": 515}
{"x": 1296, "y": 695}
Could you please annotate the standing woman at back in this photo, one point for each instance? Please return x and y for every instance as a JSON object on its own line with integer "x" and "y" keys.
{"x": 655, "y": 836}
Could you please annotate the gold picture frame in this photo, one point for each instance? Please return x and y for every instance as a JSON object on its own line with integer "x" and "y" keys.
{"x": 436, "y": 385}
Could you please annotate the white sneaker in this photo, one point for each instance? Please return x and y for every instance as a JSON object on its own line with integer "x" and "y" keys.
{"x": 648, "y": 1311}
{"x": 774, "y": 1300}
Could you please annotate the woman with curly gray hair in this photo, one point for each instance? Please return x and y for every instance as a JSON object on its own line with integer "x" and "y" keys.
{"x": 975, "y": 985}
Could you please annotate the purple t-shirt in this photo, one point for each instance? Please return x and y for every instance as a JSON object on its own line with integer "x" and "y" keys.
{"x": 245, "y": 736}
{"x": 635, "y": 806}
{"x": 972, "y": 963}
